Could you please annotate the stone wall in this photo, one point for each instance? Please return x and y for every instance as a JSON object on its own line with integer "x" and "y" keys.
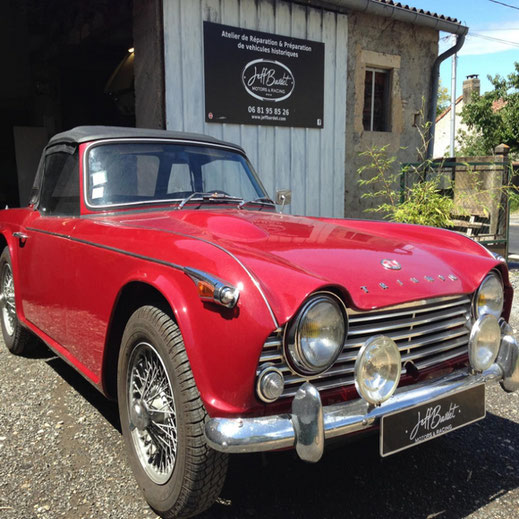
{"x": 408, "y": 51}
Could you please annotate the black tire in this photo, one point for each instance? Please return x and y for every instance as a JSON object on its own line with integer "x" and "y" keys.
{"x": 17, "y": 338}
{"x": 198, "y": 472}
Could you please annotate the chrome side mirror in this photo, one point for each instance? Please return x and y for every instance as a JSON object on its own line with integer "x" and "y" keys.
{"x": 283, "y": 198}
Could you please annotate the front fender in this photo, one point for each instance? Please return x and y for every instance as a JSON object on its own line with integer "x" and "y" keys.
{"x": 223, "y": 345}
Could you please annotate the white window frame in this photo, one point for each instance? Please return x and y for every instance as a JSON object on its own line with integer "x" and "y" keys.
{"x": 372, "y": 107}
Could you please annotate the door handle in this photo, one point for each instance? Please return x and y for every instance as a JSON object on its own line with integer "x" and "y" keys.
{"x": 20, "y": 235}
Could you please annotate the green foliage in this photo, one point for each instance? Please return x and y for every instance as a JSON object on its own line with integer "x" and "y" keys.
{"x": 420, "y": 203}
{"x": 425, "y": 193}
{"x": 470, "y": 145}
{"x": 383, "y": 181}
{"x": 490, "y": 125}
{"x": 443, "y": 99}
{"x": 514, "y": 201}
{"x": 424, "y": 204}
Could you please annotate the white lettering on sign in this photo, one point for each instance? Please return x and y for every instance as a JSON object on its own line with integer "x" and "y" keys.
{"x": 268, "y": 80}
{"x": 432, "y": 420}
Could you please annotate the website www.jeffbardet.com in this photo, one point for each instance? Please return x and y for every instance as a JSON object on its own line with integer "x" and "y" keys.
{"x": 268, "y": 117}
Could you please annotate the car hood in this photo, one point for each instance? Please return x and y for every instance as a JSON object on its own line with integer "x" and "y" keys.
{"x": 374, "y": 264}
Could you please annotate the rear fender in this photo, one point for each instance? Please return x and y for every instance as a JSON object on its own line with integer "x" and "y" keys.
{"x": 12, "y": 243}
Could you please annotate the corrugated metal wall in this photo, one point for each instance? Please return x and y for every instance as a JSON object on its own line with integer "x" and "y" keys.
{"x": 308, "y": 161}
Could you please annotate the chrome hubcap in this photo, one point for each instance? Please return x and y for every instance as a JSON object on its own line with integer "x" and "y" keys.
{"x": 7, "y": 303}
{"x": 140, "y": 417}
{"x": 151, "y": 413}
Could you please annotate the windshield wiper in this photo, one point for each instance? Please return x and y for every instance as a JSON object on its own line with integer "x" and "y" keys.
{"x": 262, "y": 200}
{"x": 215, "y": 196}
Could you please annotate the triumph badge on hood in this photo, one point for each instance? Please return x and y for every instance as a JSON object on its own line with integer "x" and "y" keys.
{"x": 391, "y": 264}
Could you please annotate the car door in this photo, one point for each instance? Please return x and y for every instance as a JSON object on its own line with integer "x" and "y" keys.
{"x": 46, "y": 276}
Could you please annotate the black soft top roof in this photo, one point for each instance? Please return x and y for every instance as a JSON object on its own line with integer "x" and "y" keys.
{"x": 94, "y": 133}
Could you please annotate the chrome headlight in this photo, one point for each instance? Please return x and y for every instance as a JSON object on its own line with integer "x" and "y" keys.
{"x": 484, "y": 342}
{"x": 490, "y": 296}
{"x": 377, "y": 369}
{"x": 316, "y": 337}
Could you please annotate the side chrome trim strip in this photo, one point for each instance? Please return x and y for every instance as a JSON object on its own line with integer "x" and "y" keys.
{"x": 166, "y": 263}
{"x": 112, "y": 249}
{"x": 223, "y": 249}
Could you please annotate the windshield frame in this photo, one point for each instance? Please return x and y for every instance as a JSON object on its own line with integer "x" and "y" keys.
{"x": 147, "y": 140}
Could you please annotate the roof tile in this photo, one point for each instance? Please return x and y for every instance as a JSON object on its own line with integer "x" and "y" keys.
{"x": 420, "y": 11}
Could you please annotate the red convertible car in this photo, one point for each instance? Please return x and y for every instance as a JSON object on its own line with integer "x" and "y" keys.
{"x": 155, "y": 264}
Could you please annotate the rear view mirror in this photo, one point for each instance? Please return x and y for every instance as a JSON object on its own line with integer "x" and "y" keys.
{"x": 283, "y": 198}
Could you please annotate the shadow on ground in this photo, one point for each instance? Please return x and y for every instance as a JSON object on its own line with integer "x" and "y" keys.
{"x": 107, "y": 408}
{"x": 449, "y": 477}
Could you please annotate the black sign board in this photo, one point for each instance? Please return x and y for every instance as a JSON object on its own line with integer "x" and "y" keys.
{"x": 263, "y": 79}
{"x": 424, "y": 422}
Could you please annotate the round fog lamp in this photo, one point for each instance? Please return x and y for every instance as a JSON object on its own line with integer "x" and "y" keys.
{"x": 377, "y": 369}
{"x": 270, "y": 384}
{"x": 484, "y": 342}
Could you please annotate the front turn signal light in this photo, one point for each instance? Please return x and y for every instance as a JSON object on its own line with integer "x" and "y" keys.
{"x": 212, "y": 289}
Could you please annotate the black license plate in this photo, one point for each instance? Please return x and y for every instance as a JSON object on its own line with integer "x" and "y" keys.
{"x": 404, "y": 429}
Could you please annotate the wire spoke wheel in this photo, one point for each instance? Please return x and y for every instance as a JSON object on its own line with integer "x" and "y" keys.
{"x": 151, "y": 413}
{"x": 7, "y": 300}
{"x": 163, "y": 418}
{"x": 18, "y": 339}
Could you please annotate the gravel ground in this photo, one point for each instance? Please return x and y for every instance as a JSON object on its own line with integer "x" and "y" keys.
{"x": 62, "y": 455}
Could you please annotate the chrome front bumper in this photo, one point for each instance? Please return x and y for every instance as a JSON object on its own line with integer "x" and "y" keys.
{"x": 309, "y": 423}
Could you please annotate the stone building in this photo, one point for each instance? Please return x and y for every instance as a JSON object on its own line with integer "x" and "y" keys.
{"x": 348, "y": 74}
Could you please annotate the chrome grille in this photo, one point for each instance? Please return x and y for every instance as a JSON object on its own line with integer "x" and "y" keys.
{"x": 427, "y": 332}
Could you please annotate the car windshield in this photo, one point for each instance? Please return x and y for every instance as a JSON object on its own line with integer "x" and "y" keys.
{"x": 133, "y": 173}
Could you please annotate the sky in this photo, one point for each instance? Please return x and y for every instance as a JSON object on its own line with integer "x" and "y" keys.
{"x": 478, "y": 55}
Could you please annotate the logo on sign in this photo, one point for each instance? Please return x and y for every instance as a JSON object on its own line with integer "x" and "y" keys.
{"x": 268, "y": 80}
{"x": 433, "y": 418}
{"x": 390, "y": 264}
